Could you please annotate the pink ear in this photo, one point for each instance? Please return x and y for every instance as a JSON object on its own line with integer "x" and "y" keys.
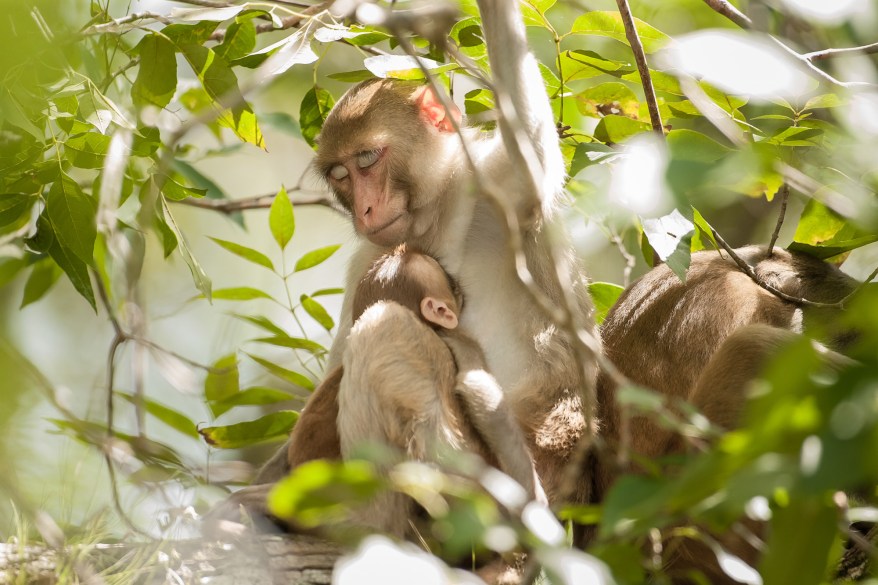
{"x": 433, "y": 111}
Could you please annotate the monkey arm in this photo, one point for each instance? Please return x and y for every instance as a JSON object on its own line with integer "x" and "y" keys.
{"x": 485, "y": 406}
{"x": 519, "y": 86}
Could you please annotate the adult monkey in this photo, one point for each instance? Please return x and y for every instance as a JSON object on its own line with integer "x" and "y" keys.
{"x": 390, "y": 153}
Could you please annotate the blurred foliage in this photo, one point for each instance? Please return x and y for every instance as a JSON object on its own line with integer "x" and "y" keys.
{"x": 97, "y": 153}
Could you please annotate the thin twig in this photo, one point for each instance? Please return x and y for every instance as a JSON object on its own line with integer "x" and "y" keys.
{"x": 655, "y": 116}
{"x": 286, "y": 23}
{"x": 629, "y": 258}
{"x": 748, "y": 270}
{"x": 830, "y": 53}
{"x": 128, "y": 19}
{"x": 229, "y": 206}
{"x": 724, "y": 8}
{"x": 784, "y": 197}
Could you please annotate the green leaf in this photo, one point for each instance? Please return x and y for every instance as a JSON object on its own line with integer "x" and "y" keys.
{"x": 164, "y": 231}
{"x": 169, "y": 416}
{"x": 827, "y": 100}
{"x": 614, "y": 129}
{"x": 581, "y": 64}
{"x": 328, "y": 291}
{"x": 609, "y": 24}
{"x": 478, "y": 101}
{"x": 13, "y": 206}
{"x": 45, "y": 273}
{"x": 294, "y": 343}
{"x": 315, "y": 257}
{"x": 72, "y": 213}
{"x": 256, "y": 396}
{"x": 604, "y": 295}
{"x": 294, "y": 378}
{"x": 9, "y": 269}
{"x": 199, "y": 277}
{"x": 671, "y": 236}
{"x": 262, "y": 323}
{"x": 589, "y": 153}
{"x": 352, "y": 76}
{"x": 75, "y": 269}
{"x": 174, "y": 191}
{"x": 221, "y": 85}
{"x": 320, "y": 492}
{"x": 703, "y": 233}
{"x": 222, "y": 379}
{"x": 608, "y": 98}
{"x": 240, "y": 39}
{"x": 246, "y": 253}
{"x": 796, "y": 136}
{"x": 317, "y": 312}
{"x": 282, "y": 219}
{"x": 823, "y": 233}
{"x": 87, "y": 151}
{"x": 273, "y": 426}
{"x": 404, "y": 67}
{"x": 695, "y": 146}
{"x": 312, "y": 113}
{"x": 156, "y": 79}
{"x": 789, "y": 557}
{"x": 239, "y": 293}
{"x": 534, "y": 11}
{"x": 190, "y": 34}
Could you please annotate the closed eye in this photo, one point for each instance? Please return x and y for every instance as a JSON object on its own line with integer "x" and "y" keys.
{"x": 368, "y": 158}
{"x": 338, "y": 172}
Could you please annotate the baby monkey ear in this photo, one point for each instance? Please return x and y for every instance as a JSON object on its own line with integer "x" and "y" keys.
{"x": 438, "y": 312}
{"x": 433, "y": 111}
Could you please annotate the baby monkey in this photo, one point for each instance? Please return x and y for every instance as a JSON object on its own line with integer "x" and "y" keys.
{"x": 405, "y": 290}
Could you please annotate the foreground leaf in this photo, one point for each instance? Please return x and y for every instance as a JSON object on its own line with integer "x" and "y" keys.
{"x": 246, "y": 253}
{"x": 312, "y": 113}
{"x": 317, "y": 312}
{"x": 604, "y": 295}
{"x": 281, "y": 219}
{"x": 315, "y": 257}
{"x": 273, "y": 426}
{"x": 294, "y": 378}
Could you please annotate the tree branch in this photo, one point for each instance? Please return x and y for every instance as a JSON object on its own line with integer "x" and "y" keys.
{"x": 830, "y": 53}
{"x": 655, "y": 116}
{"x": 785, "y": 195}
{"x": 724, "y": 8}
{"x": 128, "y": 19}
{"x": 229, "y": 206}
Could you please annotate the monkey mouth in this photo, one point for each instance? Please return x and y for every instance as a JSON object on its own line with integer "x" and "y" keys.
{"x": 384, "y": 226}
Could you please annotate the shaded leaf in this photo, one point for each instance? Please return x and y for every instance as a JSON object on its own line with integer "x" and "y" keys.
{"x": 312, "y": 113}
{"x": 246, "y": 253}
{"x": 695, "y": 146}
{"x": 827, "y": 100}
{"x": 156, "y": 79}
{"x": 478, "y": 101}
{"x": 290, "y": 376}
{"x": 75, "y": 269}
{"x": 87, "y": 151}
{"x": 222, "y": 379}
{"x": 72, "y": 214}
{"x": 317, "y": 312}
{"x": 534, "y": 11}
{"x": 273, "y": 426}
{"x": 315, "y": 257}
{"x": 13, "y": 206}
{"x": 199, "y": 277}
{"x": 44, "y": 274}
{"x": 604, "y": 295}
{"x": 167, "y": 415}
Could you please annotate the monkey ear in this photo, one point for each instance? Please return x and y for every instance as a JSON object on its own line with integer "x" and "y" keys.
{"x": 438, "y": 312}
{"x": 433, "y": 111}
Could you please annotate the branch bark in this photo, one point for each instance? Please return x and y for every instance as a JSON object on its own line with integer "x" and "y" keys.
{"x": 785, "y": 195}
{"x": 830, "y": 53}
{"x": 229, "y": 206}
{"x": 655, "y": 116}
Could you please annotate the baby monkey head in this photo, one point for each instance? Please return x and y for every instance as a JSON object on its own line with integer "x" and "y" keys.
{"x": 415, "y": 281}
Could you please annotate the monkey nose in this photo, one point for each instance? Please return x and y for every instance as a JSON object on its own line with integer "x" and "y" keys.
{"x": 367, "y": 212}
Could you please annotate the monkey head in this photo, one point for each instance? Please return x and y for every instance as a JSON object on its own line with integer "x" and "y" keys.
{"x": 387, "y": 150}
{"x": 415, "y": 281}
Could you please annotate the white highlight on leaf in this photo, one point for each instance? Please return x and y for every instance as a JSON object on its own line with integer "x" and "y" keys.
{"x": 665, "y": 233}
{"x": 542, "y": 523}
{"x": 574, "y": 567}
{"x": 758, "y": 509}
{"x": 862, "y": 113}
{"x": 382, "y": 65}
{"x": 637, "y": 181}
{"x": 212, "y": 14}
{"x": 500, "y": 538}
{"x": 737, "y": 569}
{"x": 380, "y": 560}
{"x": 828, "y": 12}
{"x": 739, "y": 63}
{"x": 809, "y": 458}
{"x": 503, "y": 488}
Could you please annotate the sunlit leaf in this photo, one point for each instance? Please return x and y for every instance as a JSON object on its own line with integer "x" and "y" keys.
{"x": 270, "y": 427}
{"x": 608, "y": 98}
{"x": 614, "y": 129}
{"x": 604, "y": 296}
{"x": 246, "y": 253}
{"x": 293, "y": 50}
{"x": 478, "y": 101}
{"x": 87, "y": 151}
{"x": 823, "y": 233}
{"x": 239, "y": 293}
{"x": 312, "y": 113}
{"x": 581, "y": 64}
{"x": 156, "y": 79}
{"x": 239, "y": 40}
{"x": 290, "y": 376}
{"x": 315, "y": 257}
{"x": 317, "y": 312}
{"x": 281, "y": 219}
{"x": 202, "y": 14}
{"x": 327, "y": 291}
{"x": 404, "y": 66}
{"x": 609, "y": 24}
{"x": 671, "y": 236}
{"x": 534, "y": 11}
{"x": 174, "y": 191}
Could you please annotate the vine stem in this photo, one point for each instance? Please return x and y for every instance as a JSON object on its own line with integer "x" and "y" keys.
{"x": 785, "y": 195}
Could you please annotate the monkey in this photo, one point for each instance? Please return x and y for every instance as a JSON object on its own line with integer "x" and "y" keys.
{"x": 390, "y": 154}
{"x": 704, "y": 341}
{"x": 403, "y": 297}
